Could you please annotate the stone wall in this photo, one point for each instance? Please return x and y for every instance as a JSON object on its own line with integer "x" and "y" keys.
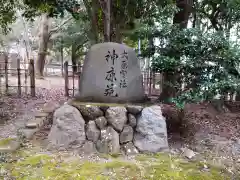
{"x": 109, "y": 129}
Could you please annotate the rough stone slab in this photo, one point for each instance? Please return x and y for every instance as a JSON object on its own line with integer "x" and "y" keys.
{"x": 134, "y": 109}
{"x": 28, "y": 133}
{"x": 109, "y": 141}
{"x": 36, "y": 123}
{"x": 132, "y": 120}
{"x": 47, "y": 120}
{"x": 50, "y": 107}
{"x": 92, "y": 132}
{"x": 31, "y": 125}
{"x": 41, "y": 114}
{"x": 130, "y": 149}
{"x": 151, "y": 131}
{"x": 126, "y": 135}
{"x": 117, "y": 117}
{"x": 68, "y": 128}
{"x": 40, "y": 121}
{"x": 90, "y": 112}
{"x": 101, "y": 122}
{"x": 88, "y": 148}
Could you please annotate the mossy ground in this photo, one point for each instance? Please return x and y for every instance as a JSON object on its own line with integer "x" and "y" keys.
{"x": 6, "y": 141}
{"x": 34, "y": 166}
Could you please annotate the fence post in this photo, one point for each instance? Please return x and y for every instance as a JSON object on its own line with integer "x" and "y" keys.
{"x": 150, "y": 83}
{"x": 6, "y": 73}
{"x": 1, "y": 78}
{"x": 25, "y": 75}
{"x": 154, "y": 80}
{"x": 79, "y": 74}
{"x": 19, "y": 77}
{"x": 32, "y": 77}
{"x": 66, "y": 78}
{"x": 73, "y": 78}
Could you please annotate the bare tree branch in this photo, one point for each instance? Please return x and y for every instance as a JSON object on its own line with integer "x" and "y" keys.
{"x": 55, "y": 30}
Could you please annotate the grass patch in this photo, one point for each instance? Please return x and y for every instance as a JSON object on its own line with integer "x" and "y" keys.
{"x": 109, "y": 156}
{"x": 123, "y": 170}
{"x": 42, "y": 166}
{"x": 166, "y": 167}
{"x": 115, "y": 155}
{"x": 161, "y": 166}
{"x": 49, "y": 167}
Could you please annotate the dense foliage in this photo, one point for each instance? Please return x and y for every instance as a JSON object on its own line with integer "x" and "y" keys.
{"x": 7, "y": 14}
{"x": 207, "y": 66}
{"x": 199, "y": 61}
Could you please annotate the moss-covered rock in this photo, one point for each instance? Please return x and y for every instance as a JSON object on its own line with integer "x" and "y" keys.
{"x": 6, "y": 141}
{"x": 9, "y": 145}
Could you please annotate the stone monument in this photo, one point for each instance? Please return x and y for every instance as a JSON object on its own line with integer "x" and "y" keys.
{"x": 111, "y": 73}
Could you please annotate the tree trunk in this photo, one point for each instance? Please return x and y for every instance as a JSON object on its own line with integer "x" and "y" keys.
{"x": 92, "y": 11}
{"x": 180, "y": 18}
{"x": 237, "y": 98}
{"x": 94, "y": 16}
{"x": 106, "y": 8}
{"x": 61, "y": 57}
{"x": 196, "y": 17}
{"x": 116, "y": 35}
{"x": 168, "y": 91}
{"x": 43, "y": 47}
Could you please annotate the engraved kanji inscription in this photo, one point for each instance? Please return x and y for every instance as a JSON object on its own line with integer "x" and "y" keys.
{"x": 111, "y": 75}
{"x": 124, "y": 55}
{"x": 123, "y": 83}
{"x": 123, "y": 71}
{"x": 109, "y": 91}
{"x": 123, "y": 74}
{"x": 112, "y": 56}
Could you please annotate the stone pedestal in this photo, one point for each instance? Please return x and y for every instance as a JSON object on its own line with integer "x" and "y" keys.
{"x": 110, "y": 131}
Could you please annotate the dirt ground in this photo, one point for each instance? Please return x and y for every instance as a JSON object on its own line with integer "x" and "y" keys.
{"x": 208, "y": 128}
{"x": 200, "y": 127}
{"x": 48, "y": 83}
{"x": 15, "y": 111}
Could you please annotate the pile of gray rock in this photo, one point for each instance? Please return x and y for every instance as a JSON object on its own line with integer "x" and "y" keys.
{"x": 91, "y": 128}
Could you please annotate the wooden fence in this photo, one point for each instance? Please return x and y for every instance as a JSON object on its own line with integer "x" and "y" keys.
{"x": 74, "y": 76}
{"x": 24, "y": 74}
{"x": 6, "y": 72}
